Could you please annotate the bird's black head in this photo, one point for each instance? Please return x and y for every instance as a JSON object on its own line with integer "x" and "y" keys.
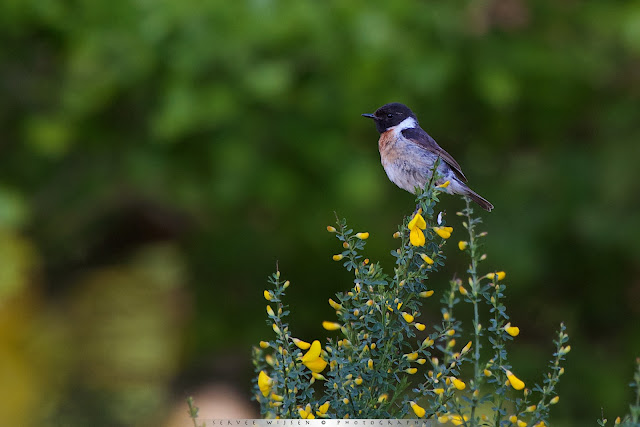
{"x": 390, "y": 115}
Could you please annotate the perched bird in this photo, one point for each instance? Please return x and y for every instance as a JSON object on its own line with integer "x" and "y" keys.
{"x": 408, "y": 154}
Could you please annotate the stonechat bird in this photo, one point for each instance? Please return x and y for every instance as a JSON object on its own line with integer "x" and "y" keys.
{"x": 408, "y": 154}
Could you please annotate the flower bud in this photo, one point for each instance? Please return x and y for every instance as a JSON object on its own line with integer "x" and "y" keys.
{"x": 512, "y": 330}
{"x": 417, "y": 409}
{"x": 460, "y": 385}
{"x": 426, "y": 259}
{"x": 408, "y": 317}
{"x": 331, "y": 326}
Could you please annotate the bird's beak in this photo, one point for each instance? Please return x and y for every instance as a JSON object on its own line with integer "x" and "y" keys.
{"x": 371, "y": 116}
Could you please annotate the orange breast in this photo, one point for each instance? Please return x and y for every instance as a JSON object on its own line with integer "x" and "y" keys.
{"x": 390, "y": 150}
{"x": 386, "y": 139}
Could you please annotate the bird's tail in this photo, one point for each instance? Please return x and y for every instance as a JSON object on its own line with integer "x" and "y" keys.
{"x": 481, "y": 201}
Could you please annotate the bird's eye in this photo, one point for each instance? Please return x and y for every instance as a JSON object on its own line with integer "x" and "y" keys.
{"x": 389, "y": 115}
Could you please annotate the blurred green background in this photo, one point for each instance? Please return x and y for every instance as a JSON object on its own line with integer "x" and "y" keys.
{"x": 158, "y": 157}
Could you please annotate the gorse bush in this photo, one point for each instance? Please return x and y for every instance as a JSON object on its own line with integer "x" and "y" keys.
{"x": 382, "y": 363}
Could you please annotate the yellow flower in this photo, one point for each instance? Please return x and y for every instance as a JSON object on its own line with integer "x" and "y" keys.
{"x": 444, "y": 184}
{"x": 512, "y": 330}
{"x": 458, "y": 420}
{"x": 428, "y": 342}
{"x": 335, "y": 305}
{"x": 270, "y": 359}
{"x": 318, "y": 376}
{"x": 426, "y": 259}
{"x": 264, "y": 344}
{"x": 417, "y": 409}
{"x": 345, "y": 401}
{"x": 358, "y": 380}
{"x": 617, "y": 421}
{"x": 331, "y": 229}
{"x": 338, "y": 257}
{"x": 466, "y": 347}
{"x": 444, "y": 232}
{"x": 420, "y": 326}
{"x": 513, "y": 419}
{"x": 443, "y": 419}
{"x": 302, "y": 345}
{"x": 421, "y": 361}
{"x": 530, "y": 408}
{"x": 408, "y": 317}
{"x": 323, "y": 408}
{"x": 312, "y": 359}
{"x": 286, "y": 284}
{"x": 276, "y": 397}
{"x": 383, "y": 397}
{"x": 462, "y": 245}
{"x": 275, "y": 328}
{"x": 411, "y": 356}
{"x": 415, "y": 226}
{"x": 554, "y": 400}
{"x": 306, "y": 412}
{"x": 316, "y": 365}
{"x": 411, "y": 371}
{"x": 460, "y": 385}
{"x": 515, "y": 382}
{"x": 270, "y": 311}
{"x": 426, "y": 294}
{"x": 521, "y": 423}
{"x": 370, "y": 363}
{"x": 487, "y": 373}
{"x": 331, "y": 326}
{"x": 396, "y": 235}
{"x": 450, "y": 332}
{"x": 362, "y": 236}
{"x": 498, "y": 276}
{"x": 267, "y": 295}
{"x": 264, "y": 383}
{"x": 463, "y": 290}
{"x": 313, "y": 353}
{"x": 438, "y": 391}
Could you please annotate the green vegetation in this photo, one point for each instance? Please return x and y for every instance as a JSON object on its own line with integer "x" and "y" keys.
{"x": 157, "y": 158}
{"x": 385, "y": 365}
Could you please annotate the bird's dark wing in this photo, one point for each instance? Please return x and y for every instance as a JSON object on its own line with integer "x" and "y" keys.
{"x": 422, "y": 138}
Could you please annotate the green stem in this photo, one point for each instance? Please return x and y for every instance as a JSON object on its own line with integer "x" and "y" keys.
{"x": 500, "y": 361}
{"x": 473, "y": 271}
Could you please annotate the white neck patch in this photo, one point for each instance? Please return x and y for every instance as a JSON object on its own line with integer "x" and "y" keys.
{"x": 407, "y": 123}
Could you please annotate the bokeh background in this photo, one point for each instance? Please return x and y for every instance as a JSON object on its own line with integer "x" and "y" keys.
{"x": 157, "y": 158}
